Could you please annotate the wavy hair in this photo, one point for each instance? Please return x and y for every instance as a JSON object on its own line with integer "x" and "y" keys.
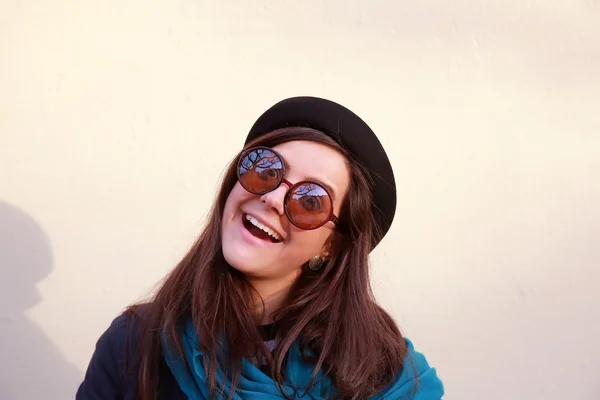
{"x": 331, "y": 312}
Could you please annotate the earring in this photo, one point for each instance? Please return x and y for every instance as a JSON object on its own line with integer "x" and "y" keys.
{"x": 315, "y": 263}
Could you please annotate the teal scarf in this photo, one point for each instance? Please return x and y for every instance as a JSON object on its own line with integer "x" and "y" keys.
{"x": 256, "y": 385}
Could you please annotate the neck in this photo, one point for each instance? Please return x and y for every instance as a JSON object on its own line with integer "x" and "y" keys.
{"x": 271, "y": 295}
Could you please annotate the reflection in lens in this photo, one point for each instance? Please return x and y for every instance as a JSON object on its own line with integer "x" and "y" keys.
{"x": 308, "y": 205}
{"x": 260, "y": 170}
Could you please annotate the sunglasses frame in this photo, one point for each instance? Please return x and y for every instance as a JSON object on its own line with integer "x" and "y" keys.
{"x": 291, "y": 186}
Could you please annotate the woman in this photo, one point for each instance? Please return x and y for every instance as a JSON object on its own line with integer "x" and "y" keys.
{"x": 273, "y": 301}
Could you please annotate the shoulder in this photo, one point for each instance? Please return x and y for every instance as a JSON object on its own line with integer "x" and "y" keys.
{"x": 109, "y": 371}
{"x": 418, "y": 380}
{"x": 117, "y": 341}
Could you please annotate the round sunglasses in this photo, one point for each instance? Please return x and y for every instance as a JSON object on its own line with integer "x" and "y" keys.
{"x": 307, "y": 204}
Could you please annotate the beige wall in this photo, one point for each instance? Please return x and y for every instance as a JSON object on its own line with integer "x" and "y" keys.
{"x": 117, "y": 118}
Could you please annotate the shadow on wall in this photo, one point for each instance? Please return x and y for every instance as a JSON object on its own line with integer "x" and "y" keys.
{"x": 31, "y": 367}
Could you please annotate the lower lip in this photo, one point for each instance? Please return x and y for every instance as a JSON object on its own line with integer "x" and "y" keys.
{"x": 250, "y": 238}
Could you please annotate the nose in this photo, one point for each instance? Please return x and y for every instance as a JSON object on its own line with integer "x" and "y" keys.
{"x": 274, "y": 200}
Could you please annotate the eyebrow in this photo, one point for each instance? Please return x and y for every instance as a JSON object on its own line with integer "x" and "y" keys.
{"x": 327, "y": 186}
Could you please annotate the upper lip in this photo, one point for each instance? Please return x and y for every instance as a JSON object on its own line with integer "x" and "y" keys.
{"x": 262, "y": 221}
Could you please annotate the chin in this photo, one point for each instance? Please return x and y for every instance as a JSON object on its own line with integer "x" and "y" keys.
{"x": 243, "y": 260}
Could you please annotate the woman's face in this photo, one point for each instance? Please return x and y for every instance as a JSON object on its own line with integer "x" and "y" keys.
{"x": 260, "y": 259}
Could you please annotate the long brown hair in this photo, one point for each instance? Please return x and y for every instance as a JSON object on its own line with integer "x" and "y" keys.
{"x": 331, "y": 312}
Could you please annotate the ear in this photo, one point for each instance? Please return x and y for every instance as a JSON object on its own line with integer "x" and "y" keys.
{"x": 327, "y": 246}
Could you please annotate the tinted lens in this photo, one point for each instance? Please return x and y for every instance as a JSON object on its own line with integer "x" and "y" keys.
{"x": 308, "y": 205}
{"x": 260, "y": 170}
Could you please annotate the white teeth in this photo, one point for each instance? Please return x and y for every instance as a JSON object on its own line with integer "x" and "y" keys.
{"x": 259, "y": 225}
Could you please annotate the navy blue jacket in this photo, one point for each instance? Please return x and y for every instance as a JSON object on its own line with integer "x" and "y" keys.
{"x": 107, "y": 378}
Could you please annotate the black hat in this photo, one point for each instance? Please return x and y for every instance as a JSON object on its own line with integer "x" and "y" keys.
{"x": 352, "y": 133}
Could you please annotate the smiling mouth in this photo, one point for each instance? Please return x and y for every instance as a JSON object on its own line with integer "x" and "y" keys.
{"x": 258, "y": 230}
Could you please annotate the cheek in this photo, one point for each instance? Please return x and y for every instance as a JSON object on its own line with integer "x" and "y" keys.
{"x": 310, "y": 243}
{"x": 236, "y": 196}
